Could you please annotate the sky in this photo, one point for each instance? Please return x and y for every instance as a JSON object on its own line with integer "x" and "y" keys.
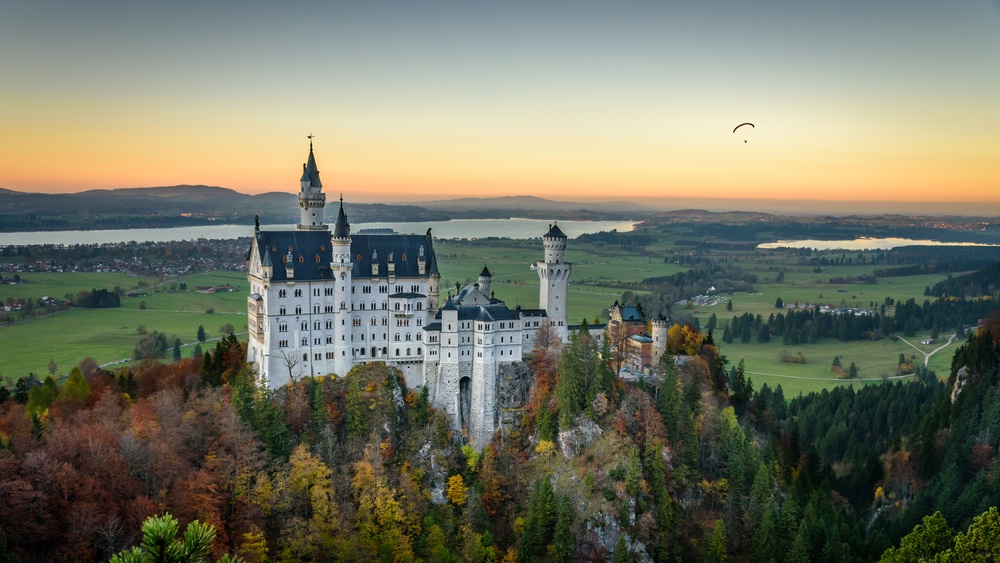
{"x": 851, "y": 100}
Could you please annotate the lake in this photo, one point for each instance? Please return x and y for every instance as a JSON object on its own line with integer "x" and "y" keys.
{"x": 863, "y": 243}
{"x": 460, "y": 228}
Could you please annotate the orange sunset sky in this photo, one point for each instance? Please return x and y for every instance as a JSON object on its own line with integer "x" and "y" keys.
{"x": 852, "y": 100}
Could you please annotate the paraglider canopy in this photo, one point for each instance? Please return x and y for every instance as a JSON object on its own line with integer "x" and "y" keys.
{"x": 741, "y": 125}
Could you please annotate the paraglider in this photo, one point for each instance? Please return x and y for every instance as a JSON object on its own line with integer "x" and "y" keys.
{"x": 741, "y": 125}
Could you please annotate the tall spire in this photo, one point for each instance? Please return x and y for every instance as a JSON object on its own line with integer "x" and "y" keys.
{"x": 311, "y": 196}
{"x": 310, "y": 173}
{"x": 342, "y": 229}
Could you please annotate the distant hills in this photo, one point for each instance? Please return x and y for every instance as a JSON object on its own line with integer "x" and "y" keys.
{"x": 184, "y": 205}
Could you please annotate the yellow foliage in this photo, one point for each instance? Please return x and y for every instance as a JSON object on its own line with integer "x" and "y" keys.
{"x": 254, "y": 547}
{"x": 518, "y": 526}
{"x": 457, "y": 492}
{"x": 545, "y": 447}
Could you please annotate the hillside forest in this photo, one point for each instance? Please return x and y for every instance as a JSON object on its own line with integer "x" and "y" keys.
{"x": 691, "y": 464}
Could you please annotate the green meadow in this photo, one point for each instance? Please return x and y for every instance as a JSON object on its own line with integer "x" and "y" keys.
{"x": 108, "y": 335}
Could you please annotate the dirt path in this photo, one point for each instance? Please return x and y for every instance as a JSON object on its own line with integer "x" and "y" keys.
{"x": 927, "y": 355}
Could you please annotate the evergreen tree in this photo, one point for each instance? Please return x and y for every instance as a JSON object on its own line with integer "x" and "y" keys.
{"x": 177, "y": 349}
{"x": 669, "y": 401}
{"x": 562, "y": 538}
{"x": 201, "y": 333}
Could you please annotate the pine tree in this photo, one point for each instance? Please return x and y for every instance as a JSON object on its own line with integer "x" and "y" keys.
{"x": 563, "y": 539}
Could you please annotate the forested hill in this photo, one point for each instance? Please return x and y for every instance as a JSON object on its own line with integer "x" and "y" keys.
{"x": 693, "y": 464}
{"x": 981, "y": 283}
{"x": 173, "y": 206}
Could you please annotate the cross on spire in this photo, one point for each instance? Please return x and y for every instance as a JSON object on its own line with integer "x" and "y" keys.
{"x": 310, "y": 137}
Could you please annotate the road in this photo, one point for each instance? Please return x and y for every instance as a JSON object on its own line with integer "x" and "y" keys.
{"x": 927, "y": 355}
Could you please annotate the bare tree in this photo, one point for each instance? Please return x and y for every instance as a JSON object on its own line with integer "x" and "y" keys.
{"x": 618, "y": 337}
{"x": 547, "y": 339}
{"x": 290, "y": 359}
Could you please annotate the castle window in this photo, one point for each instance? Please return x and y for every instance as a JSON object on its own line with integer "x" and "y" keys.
{"x": 317, "y": 258}
{"x": 298, "y": 293}
{"x": 298, "y": 310}
{"x": 397, "y": 351}
{"x": 407, "y": 351}
{"x": 281, "y": 311}
{"x": 282, "y": 344}
{"x": 374, "y": 321}
{"x": 305, "y": 325}
{"x": 357, "y": 257}
{"x": 282, "y": 293}
{"x": 418, "y": 351}
{"x": 301, "y": 259}
{"x": 329, "y": 340}
{"x": 305, "y": 342}
{"x": 282, "y": 328}
{"x": 404, "y": 257}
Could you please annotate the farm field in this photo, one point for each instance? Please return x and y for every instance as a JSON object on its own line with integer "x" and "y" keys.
{"x": 873, "y": 359}
{"x": 599, "y": 272}
{"x": 108, "y": 335}
{"x": 57, "y": 285}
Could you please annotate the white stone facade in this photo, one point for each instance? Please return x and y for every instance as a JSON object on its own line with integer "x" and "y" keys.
{"x": 322, "y": 302}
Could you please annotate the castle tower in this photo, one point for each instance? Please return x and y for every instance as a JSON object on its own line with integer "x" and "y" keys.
{"x": 485, "y": 281}
{"x": 312, "y": 200}
{"x": 341, "y": 265}
{"x": 553, "y": 277}
{"x": 659, "y": 334}
{"x": 433, "y": 280}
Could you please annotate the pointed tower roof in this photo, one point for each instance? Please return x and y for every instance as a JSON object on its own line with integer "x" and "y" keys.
{"x": 485, "y": 273}
{"x": 342, "y": 229}
{"x": 555, "y": 232}
{"x": 449, "y": 306}
{"x": 309, "y": 171}
{"x": 432, "y": 266}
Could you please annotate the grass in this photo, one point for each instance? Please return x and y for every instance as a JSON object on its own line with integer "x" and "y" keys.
{"x": 108, "y": 335}
{"x": 58, "y": 284}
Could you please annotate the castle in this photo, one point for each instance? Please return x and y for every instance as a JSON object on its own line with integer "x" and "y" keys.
{"x": 323, "y": 301}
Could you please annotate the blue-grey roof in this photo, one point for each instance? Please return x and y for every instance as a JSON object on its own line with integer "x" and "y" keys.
{"x": 407, "y": 295}
{"x": 433, "y": 327}
{"x": 404, "y": 250}
{"x": 310, "y": 250}
{"x": 532, "y": 312}
{"x": 642, "y": 339}
{"x": 485, "y": 273}
{"x": 310, "y": 172}
{"x": 311, "y": 254}
{"x": 554, "y": 232}
{"x": 631, "y": 313}
{"x": 342, "y": 229}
